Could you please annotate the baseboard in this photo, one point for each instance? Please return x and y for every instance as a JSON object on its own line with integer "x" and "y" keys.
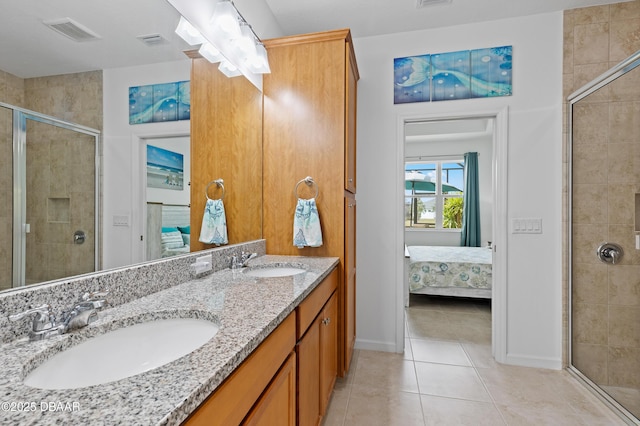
{"x": 374, "y": 345}
{"x": 535, "y": 362}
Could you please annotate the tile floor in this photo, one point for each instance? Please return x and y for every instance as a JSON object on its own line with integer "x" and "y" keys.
{"x": 447, "y": 376}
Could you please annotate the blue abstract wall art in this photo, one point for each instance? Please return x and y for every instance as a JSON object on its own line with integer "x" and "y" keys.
{"x": 160, "y": 102}
{"x": 466, "y": 74}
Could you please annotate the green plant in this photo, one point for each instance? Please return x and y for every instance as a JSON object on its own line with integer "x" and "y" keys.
{"x": 452, "y": 215}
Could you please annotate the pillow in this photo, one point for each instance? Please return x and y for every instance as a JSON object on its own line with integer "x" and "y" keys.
{"x": 169, "y": 229}
{"x": 185, "y": 229}
{"x": 172, "y": 240}
{"x": 186, "y": 238}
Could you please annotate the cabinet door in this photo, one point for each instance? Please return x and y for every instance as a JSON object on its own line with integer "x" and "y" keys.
{"x": 349, "y": 280}
{"x": 328, "y": 351}
{"x": 277, "y": 406}
{"x": 308, "y": 349}
{"x": 350, "y": 123}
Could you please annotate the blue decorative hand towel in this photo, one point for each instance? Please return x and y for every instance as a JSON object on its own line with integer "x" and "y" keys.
{"x": 306, "y": 225}
{"x": 214, "y": 224}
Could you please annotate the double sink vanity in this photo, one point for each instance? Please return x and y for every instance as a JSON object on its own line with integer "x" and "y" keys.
{"x": 221, "y": 347}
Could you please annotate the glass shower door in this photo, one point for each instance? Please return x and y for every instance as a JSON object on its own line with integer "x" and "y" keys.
{"x": 6, "y": 197}
{"x": 60, "y": 202}
{"x": 604, "y": 240}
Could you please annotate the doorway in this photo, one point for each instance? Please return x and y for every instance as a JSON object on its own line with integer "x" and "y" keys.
{"x": 164, "y": 195}
{"x": 441, "y": 131}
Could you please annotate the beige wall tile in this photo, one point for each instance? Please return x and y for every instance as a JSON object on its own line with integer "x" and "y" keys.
{"x": 627, "y": 87}
{"x": 624, "y": 327}
{"x": 624, "y": 285}
{"x": 591, "y": 15}
{"x": 590, "y": 203}
{"x": 586, "y": 239}
{"x": 584, "y": 74}
{"x": 592, "y": 361}
{"x": 624, "y": 122}
{"x": 624, "y": 235}
{"x": 590, "y": 323}
{"x": 590, "y": 124}
{"x": 624, "y": 367}
{"x": 590, "y": 283}
{"x": 625, "y": 38}
{"x": 621, "y": 200}
{"x": 625, "y": 10}
{"x": 591, "y": 44}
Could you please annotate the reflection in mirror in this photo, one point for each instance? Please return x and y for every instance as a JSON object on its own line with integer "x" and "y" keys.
{"x": 54, "y": 201}
{"x": 87, "y": 83}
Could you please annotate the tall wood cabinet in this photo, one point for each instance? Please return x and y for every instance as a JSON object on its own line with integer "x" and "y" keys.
{"x": 309, "y": 129}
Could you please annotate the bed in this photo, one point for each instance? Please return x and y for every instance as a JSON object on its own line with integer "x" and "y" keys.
{"x": 449, "y": 271}
{"x": 176, "y": 232}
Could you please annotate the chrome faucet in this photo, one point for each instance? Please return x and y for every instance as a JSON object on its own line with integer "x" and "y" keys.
{"x": 46, "y": 323}
{"x": 242, "y": 261}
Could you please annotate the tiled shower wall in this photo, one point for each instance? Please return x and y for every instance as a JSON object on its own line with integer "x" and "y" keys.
{"x": 76, "y": 98}
{"x": 606, "y": 152}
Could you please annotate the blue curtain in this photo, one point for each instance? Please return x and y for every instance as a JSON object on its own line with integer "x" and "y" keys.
{"x": 471, "y": 210}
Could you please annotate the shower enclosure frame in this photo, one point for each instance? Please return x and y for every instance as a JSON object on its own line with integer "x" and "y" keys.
{"x": 612, "y": 74}
{"x": 19, "y": 118}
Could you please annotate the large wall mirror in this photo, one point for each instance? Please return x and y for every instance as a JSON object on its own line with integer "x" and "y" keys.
{"x": 86, "y": 83}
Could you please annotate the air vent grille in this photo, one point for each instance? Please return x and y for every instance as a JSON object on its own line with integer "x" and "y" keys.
{"x": 72, "y": 29}
{"x": 425, "y": 3}
{"x": 152, "y": 39}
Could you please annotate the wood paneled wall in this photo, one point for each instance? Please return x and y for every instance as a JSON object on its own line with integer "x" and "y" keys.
{"x": 226, "y": 143}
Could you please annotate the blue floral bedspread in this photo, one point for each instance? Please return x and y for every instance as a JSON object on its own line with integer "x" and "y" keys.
{"x": 434, "y": 266}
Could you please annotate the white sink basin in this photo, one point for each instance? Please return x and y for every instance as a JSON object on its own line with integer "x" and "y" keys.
{"x": 122, "y": 353}
{"x": 274, "y": 271}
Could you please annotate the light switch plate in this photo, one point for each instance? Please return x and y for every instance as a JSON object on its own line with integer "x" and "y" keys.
{"x": 120, "y": 220}
{"x": 526, "y": 225}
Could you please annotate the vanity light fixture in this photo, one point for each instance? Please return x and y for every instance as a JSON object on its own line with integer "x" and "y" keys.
{"x": 225, "y": 37}
{"x": 189, "y": 33}
{"x": 228, "y": 69}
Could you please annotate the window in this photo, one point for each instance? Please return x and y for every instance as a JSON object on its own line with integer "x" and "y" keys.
{"x": 433, "y": 194}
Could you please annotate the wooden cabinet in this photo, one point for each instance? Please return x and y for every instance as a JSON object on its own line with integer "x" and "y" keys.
{"x": 328, "y": 351}
{"x": 277, "y": 406}
{"x": 234, "y": 398}
{"x": 317, "y": 351}
{"x": 309, "y": 124}
{"x": 350, "y": 277}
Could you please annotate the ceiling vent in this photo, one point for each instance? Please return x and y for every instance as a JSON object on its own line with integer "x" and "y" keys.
{"x": 70, "y": 28}
{"x": 426, "y": 3}
{"x": 152, "y": 39}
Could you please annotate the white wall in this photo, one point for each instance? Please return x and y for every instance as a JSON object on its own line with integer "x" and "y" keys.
{"x": 534, "y": 177}
{"x": 484, "y": 147}
{"x": 122, "y": 187}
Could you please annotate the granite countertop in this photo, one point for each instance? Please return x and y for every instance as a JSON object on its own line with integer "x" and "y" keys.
{"x": 246, "y": 308}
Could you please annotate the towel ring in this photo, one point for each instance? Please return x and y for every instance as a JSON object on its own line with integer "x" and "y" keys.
{"x": 309, "y": 181}
{"x": 219, "y": 183}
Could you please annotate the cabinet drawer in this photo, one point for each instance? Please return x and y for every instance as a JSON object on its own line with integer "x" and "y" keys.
{"x": 309, "y": 308}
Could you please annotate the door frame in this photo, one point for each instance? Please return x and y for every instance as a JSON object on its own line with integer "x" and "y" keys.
{"x": 139, "y": 143}
{"x": 500, "y": 224}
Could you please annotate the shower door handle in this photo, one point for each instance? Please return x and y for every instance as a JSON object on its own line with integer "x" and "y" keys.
{"x": 610, "y": 253}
